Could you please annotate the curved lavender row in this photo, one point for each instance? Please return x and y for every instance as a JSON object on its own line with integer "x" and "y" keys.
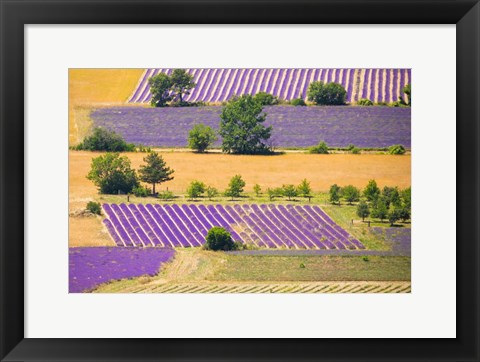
{"x": 89, "y": 267}
{"x": 218, "y": 85}
{"x": 269, "y": 226}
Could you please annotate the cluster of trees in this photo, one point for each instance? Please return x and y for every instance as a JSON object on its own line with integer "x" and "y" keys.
{"x": 198, "y": 189}
{"x": 113, "y": 174}
{"x": 390, "y": 203}
{"x": 173, "y": 88}
{"x": 218, "y": 238}
{"x": 289, "y": 191}
{"x": 326, "y": 94}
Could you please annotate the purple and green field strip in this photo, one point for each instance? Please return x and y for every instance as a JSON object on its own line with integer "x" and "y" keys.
{"x": 266, "y": 226}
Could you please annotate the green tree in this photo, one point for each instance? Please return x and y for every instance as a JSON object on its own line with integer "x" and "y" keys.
{"x": 321, "y": 148}
{"x": 201, "y": 137}
{"x": 379, "y": 209}
{"x": 406, "y": 196}
{"x": 102, "y": 139}
{"x": 363, "y": 210}
{"x": 391, "y": 196}
{"x": 160, "y": 85}
{"x": 404, "y": 213}
{"x": 257, "y": 189}
{"x": 265, "y": 99}
{"x": 181, "y": 83}
{"x": 304, "y": 188}
{"x": 326, "y": 94}
{"x": 393, "y": 216}
{"x": 218, "y": 239}
{"x": 195, "y": 189}
{"x": 211, "y": 192}
{"x": 275, "y": 192}
{"x": 235, "y": 187}
{"x": 290, "y": 191}
{"x": 371, "y": 192}
{"x": 335, "y": 194}
{"x": 242, "y": 128}
{"x": 408, "y": 91}
{"x": 351, "y": 194}
{"x": 112, "y": 174}
{"x": 396, "y": 150}
{"x": 298, "y": 102}
{"x": 155, "y": 171}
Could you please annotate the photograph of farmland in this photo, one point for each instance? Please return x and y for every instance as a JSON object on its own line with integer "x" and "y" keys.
{"x": 240, "y": 180}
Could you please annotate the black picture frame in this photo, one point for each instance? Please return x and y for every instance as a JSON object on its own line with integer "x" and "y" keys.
{"x": 16, "y": 14}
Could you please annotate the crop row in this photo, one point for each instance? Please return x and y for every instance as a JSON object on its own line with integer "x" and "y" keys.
{"x": 264, "y": 226}
{"x": 218, "y": 85}
{"x": 292, "y": 126}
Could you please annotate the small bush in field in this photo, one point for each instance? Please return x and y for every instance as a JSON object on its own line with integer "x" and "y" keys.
{"x": 218, "y": 239}
{"x": 94, "y": 208}
{"x": 141, "y": 191}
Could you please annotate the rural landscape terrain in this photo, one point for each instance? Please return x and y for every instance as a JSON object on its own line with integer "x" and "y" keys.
{"x": 245, "y": 180}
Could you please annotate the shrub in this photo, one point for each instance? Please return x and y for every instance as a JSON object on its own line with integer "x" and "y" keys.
{"x": 321, "y": 148}
{"x": 298, "y": 102}
{"x": 365, "y": 102}
{"x": 304, "y": 188}
{"x": 166, "y": 195}
{"x": 235, "y": 187}
{"x": 94, "y": 207}
{"x": 257, "y": 189}
{"x": 105, "y": 140}
{"x": 201, "y": 137}
{"x": 265, "y": 99}
{"x": 396, "y": 150}
{"x": 355, "y": 150}
{"x": 195, "y": 189}
{"x": 211, "y": 192}
{"x": 275, "y": 192}
{"x": 329, "y": 94}
{"x": 218, "y": 239}
{"x": 350, "y": 147}
{"x": 290, "y": 191}
{"x": 141, "y": 191}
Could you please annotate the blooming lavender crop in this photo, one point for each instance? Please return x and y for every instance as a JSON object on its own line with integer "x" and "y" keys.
{"x": 265, "y": 226}
{"x": 399, "y": 238}
{"x": 89, "y": 267}
{"x": 292, "y": 126}
{"x": 218, "y": 85}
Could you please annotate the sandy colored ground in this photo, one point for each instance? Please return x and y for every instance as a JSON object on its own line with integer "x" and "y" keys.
{"x": 268, "y": 171}
{"x": 96, "y": 87}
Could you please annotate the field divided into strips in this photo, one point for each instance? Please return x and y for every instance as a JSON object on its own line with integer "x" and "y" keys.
{"x": 264, "y": 226}
{"x": 253, "y": 288}
{"x": 218, "y": 85}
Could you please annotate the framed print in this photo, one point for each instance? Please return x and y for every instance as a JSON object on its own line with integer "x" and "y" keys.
{"x": 240, "y": 181}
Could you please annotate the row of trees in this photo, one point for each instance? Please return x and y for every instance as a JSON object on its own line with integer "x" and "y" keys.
{"x": 389, "y": 203}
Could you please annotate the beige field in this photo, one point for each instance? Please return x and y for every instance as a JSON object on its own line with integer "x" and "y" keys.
{"x": 96, "y": 87}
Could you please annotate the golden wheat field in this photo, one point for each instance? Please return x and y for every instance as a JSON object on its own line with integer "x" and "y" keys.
{"x": 96, "y": 87}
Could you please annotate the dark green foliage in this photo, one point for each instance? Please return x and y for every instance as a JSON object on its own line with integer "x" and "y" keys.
{"x": 391, "y": 196}
{"x": 105, "y": 140}
{"x": 290, "y": 191}
{"x": 408, "y": 91}
{"x": 363, "y": 210}
{"x": 335, "y": 194}
{"x": 329, "y": 94}
{"x": 211, "y": 192}
{"x": 355, "y": 150}
{"x": 218, "y": 239}
{"x": 155, "y": 171}
{"x": 302, "y": 266}
{"x": 365, "y": 102}
{"x": 201, "y": 137}
{"x": 195, "y": 189}
{"x": 351, "y": 194}
{"x": 141, "y": 191}
{"x": 142, "y": 148}
{"x": 350, "y": 147}
{"x": 257, "y": 189}
{"x": 321, "y": 148}
{"x": 242, "y": 128}
{"x": 404, "y": 213}
{"x": 372, "y": 191}
{"x": 94, "y": 207}
{"x": 112, "y": 174}
{"x": 265, "y": 99}
{"x": 160, "y": 86}
{"x": 396, "y": 150}
{"x": 298, "y": 102}
{"x": 235, "y": 187}
{"x": 406, "y": 196}
{"x": 181, "y": 84}
{"x": 393, "y": 216}
{"x": 379, "y": 209}
{"x": 304, "y": 188}
{"x": 275, "y": 192}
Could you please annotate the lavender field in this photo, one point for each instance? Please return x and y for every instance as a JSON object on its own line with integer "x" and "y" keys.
{"x": 92, "y": 266}
{"x": 264, "y": 226}
{"x": 218, "y": 85}
{"x": 292, "y": 126}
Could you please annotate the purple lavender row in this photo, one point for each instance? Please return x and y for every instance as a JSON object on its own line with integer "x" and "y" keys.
{"x": 218, "y": 85}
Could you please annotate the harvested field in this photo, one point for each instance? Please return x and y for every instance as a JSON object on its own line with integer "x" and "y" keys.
{"x": 268, "y": 171}
{"x": 99, "y": 87}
